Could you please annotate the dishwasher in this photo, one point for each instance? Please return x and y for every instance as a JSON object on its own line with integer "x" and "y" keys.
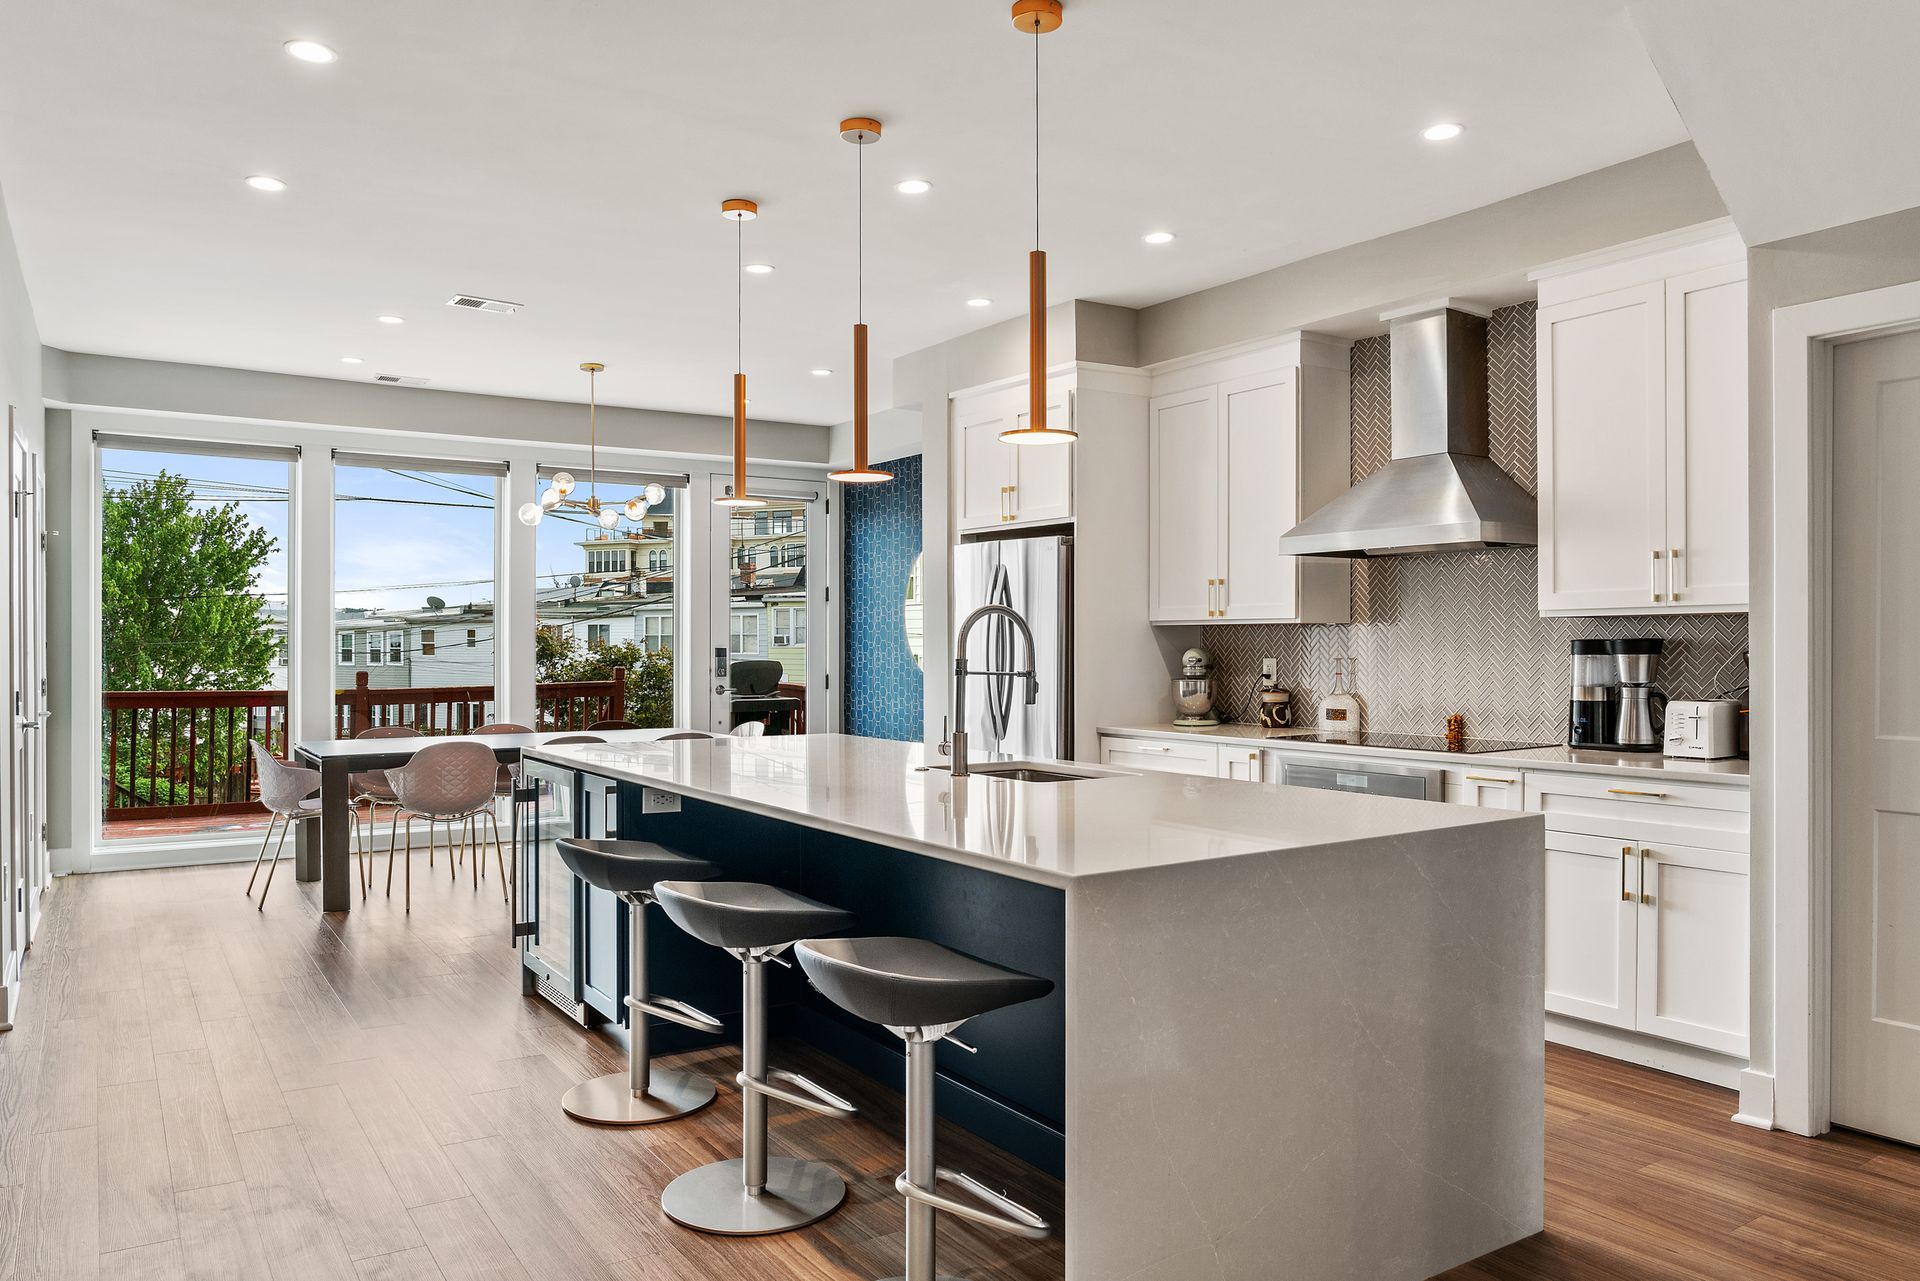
{"x": 1373, "y": 778}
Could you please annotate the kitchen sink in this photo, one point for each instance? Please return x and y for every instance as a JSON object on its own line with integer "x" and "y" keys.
{"x": 1042, "y": 772}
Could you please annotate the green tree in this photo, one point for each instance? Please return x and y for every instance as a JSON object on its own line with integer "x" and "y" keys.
{"x": 177, "y": 602}
{"x": 560, "y": 657}
{"x": 179, "y": 612}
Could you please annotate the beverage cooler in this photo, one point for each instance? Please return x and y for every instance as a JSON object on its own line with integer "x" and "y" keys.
{"x": 571, "y": 936}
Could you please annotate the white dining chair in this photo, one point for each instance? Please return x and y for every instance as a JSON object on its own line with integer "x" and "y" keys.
{"x": 370, "y": 788}
{"x": 290, "y": 794}
{"x": 750, "y": 729}
{"x": 449, "y": 782}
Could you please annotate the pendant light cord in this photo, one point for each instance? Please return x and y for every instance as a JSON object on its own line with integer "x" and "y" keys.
{"x": 1036, "y": 131}
{"x": 860, "y": 234}
{"x": 740, "y": 295}
{"x": 593, "y": 437}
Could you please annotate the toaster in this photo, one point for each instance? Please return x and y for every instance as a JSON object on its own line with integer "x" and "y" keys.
{"x": 1705, "y": 729}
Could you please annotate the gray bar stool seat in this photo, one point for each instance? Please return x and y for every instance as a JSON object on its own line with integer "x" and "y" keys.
{"x": 921, "y": 992}
{"x": 643, "y": 1094}
{"x": 755, "y": 1194}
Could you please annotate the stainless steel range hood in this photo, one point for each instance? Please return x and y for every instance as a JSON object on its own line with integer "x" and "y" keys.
{"x": 1441, "y": 492}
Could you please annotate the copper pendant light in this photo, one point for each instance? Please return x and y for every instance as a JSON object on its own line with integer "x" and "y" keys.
{"x": 1037, "y": 17}
{"x": 862, "y": 132}
{"x": 741, "y": 211}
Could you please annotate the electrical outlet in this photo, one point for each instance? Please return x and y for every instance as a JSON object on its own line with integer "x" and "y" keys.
{"x": 655, "y": 801}
{"x": 1269, "y": 670}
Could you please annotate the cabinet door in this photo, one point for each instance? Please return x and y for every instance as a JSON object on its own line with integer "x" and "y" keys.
{"x": 1707, "y": 438}
{"x": 601, "y": 946}
{"x": 1602, "y": 410}
{"x": 982, "y": 493}
{"x": 1159, "y": 757}
{"x": 1693, "y": 946}
{"x": 1247, "y": 764}
{"x": 1590, "y": 928}
{"x": 1491, "y": 789}
{"x": 1260, "y": 425}
{"x": 1042, "y": 475}
{"x": 1184, "y": 507}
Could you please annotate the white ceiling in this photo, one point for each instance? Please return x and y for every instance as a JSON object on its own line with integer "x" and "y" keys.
{"x": 1805, "y": 113}
{"x": 571, "y": 155}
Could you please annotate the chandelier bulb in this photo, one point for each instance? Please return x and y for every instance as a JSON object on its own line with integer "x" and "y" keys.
{"x": 531, "y": 513}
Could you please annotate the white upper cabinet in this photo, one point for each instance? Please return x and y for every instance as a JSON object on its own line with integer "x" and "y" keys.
{"x": 1239, "y": 449}
{"x": 1001, "y": 486}
{"x": 1643, "y": 428}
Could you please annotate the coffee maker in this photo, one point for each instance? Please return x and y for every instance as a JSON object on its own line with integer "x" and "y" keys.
{"x": 1594, "y": 696}
{"x": 1641, "y": 718}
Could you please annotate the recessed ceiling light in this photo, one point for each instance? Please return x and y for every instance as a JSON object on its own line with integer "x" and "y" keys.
{"x": 310, "y": 51}
{"x": 391, "y": 320}
{"x": 823, "y": 373}
{"x": 265, "y": 182}
{"x": 1158, "y": 237}
{"x": 350, "y": 360}
{"x": 1441, "y": 132}
{"x": 979, "y": 302}
{"x": 913, "y": 187}
{"x": 759, "y": 268}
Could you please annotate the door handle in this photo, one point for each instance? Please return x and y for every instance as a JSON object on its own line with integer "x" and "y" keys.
{"x": 1626, "y": 855}
{"x": 1673, "y": 572}
{"x": 1628, "y": 791}
{"x": 1656, "y": 575}
{"x": 1223, "y": 599}
{"x": 1490, "y": 778}
{"x": 1646, "y": 856}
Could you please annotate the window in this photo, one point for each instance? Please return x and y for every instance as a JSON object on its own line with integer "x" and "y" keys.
{"x": 789, "y": 626}
{"x": 473, "y": 638}
{"x": 426, "y": 642}
{"x": 599, "y": 635}
{"x": 658, "y": 560}
{"x": 658, "y": 632}
{"x": 346, "y": 649}
{"x": 396, "y": 647}
{"x": 746, "y": 633}
{"x": 280, "y": 653}
{"x": 375, "y": 655}
{"x": 606, "y": 560}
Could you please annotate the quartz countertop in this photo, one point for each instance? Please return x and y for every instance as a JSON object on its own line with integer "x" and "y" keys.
{"x": 1054, "y": 833}
{"x": 1557, "y": 757}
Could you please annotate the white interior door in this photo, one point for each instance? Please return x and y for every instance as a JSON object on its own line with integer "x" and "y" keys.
{"x": 1876, "y": 737}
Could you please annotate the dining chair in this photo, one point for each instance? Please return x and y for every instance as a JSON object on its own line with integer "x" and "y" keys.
{"x": 680, "y": 735}
{"x": 507, "y": 780}
{"x": 750, "y": 729}
{"x": 372, "y": 788}
{"x": 450, "y": 782}
{"x": 290, "y": 794}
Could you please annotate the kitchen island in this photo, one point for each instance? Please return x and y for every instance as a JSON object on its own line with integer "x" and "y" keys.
{"x": 1297, "y": 1033}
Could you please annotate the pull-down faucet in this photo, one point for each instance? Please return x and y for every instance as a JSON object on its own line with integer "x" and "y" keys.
{"x": 960, "y": 674}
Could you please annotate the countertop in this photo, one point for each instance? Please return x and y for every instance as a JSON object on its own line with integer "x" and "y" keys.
{"x": 1053, "y": 833}
{"x": 1573, "y": 760}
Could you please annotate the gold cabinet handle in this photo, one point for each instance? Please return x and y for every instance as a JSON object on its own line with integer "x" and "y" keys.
{"x": 1223, "y": 598}
{"x": 1646, "y": 856}
{"x": 1626, "y": 855}
{"x": 1628, "y": 791}
{"x": 1673, "y": 569}
{"x": 1656, "y": 575}
{"x": 1490, "y": 778}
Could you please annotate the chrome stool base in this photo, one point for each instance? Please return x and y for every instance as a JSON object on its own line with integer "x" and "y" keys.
{"x": 610, "y": 1100}
{"x": 714, "y": 1197}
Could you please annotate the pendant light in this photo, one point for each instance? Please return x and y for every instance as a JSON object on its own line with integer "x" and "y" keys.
{"x": 559, "y": 492}
{"x": 1037, "y": 17}
{"x": 862, "y": 132}
{"x": 741, "y": 212}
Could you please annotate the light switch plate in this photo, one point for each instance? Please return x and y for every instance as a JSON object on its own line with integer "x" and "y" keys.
{"x": 655, "y": 801}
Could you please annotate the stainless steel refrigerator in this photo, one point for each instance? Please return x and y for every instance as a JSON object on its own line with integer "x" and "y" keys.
{"x": 1033, "y": 576}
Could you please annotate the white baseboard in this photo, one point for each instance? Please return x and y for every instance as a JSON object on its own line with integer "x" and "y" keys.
{"x": 1647, "y": 1051}
{"x": 1756, "y": 1100}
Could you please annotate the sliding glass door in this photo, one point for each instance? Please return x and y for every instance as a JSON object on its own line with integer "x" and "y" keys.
{"x": 768, "y": 671}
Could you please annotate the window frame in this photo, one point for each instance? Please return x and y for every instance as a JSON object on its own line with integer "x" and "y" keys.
{"x": 375, "y": 650}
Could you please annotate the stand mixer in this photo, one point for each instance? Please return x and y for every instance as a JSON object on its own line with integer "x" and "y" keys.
{"x": 1193, "y": 691}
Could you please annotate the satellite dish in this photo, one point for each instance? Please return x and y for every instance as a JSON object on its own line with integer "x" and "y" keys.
{"x": 434, "y": 602}
{"x": 575, "y": 581}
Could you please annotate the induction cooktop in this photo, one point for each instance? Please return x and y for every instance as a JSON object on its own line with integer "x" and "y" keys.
{"x": 1416, "y": 743}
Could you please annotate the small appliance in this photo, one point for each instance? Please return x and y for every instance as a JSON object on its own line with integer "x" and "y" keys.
{"x": 1193, "y": 691}
{"x": 1640, "y": 721}
{"x": 1705, "y": 729}
{"x": 1594, "y": 696}
{"x": 1340, "y": 709}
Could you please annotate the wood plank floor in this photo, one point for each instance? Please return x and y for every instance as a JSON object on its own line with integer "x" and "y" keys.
{"x": 195, "y": 1089}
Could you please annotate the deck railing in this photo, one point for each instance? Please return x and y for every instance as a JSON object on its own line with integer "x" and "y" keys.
{"x": 184, "y": 752}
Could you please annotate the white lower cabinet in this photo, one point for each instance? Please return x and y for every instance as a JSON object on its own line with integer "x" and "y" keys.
{"x": 1489, "y": 788}
{"x": 1247, "y": 764}
{"x": 1160, "y": 756}
{"x": 1591, "y": 922}
{"x": 1691, "y": 953}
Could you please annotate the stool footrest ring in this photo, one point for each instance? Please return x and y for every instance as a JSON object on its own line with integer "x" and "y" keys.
{"x": 1006, "y": 1214}
{"x": 805, "y": 1094}
{"x": 665, "y": 1007}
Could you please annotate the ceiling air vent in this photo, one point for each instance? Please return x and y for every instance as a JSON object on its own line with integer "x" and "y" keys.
{"x": 400, "y": 380}
{"x": 493, "y": 306}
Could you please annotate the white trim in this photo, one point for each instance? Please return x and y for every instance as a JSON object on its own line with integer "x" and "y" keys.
{"x": 1803, "y": 340}
{"x": 1699, "y": 233}
{"x": 1011, "y": 380}
{"x": 1756, "y": 1100}
{"x": 1246, "y": 347}
{"x": 1647, "y": 1051}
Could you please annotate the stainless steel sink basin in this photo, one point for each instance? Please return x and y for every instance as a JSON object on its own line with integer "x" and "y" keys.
{"x": 1042, "y": 772}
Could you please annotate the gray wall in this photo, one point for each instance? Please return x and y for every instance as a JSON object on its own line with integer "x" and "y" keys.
{"x": 1824, "y": 264}
{"x": 20, "y": 390}
{"x": 1483, "y": 253}
{"x": 118, "y": 382}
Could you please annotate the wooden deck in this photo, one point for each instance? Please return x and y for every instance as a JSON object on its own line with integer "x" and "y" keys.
{"x": 197, "y": 1089}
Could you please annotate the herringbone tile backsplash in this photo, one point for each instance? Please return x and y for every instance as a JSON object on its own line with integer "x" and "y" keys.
{"x": 1461, "y": 631}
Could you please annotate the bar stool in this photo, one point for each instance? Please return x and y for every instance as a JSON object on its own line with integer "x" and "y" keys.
{"x": 643, "y": 1094}
{"x": 755, "y": 1194}
{"x": 921, "y": 992}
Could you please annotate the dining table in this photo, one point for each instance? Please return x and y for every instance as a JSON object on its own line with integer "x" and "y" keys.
{"x": 325, "y": 856}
